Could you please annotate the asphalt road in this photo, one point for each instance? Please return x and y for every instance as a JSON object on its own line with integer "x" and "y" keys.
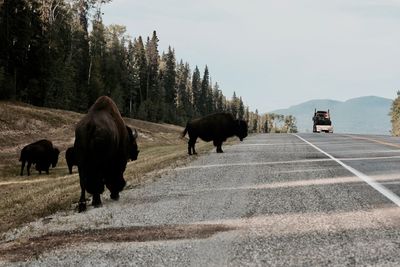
{"x": 272, "y": 200}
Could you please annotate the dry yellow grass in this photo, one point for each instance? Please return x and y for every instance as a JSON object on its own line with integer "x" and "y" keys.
{"x": 27, "y": 198}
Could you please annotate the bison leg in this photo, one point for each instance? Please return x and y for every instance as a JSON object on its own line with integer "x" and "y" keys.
{"x": 191, "y": 145}
{"x": 218, "y": 144}
{"x": 70, "y": 168}
{"x": 114, "y": 195}
{"x": 116, "y": 185}
{"x": 22, "y": 168}
{"x": 28, "y": 167}
{"x": 82, "y": 200}
{"x": 96, "y": 201}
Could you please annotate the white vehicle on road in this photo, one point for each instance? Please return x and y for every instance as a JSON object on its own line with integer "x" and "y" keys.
{"x": 322, "y": 122}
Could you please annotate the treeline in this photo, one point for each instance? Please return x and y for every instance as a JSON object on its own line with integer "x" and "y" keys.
{"x": 48, "y": 57}
{"x": 272, "y": 123}
{"x": 395, "y": 115}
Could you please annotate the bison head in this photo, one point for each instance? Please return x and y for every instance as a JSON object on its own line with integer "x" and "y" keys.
{"x": 241, "y": 130}
{"x": 54, "y": 158}
{"x": 133, "y": 148}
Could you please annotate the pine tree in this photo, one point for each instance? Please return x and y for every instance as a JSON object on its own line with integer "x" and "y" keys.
{"x": 247, "y": 115}
{"x": 80, "y": 56}
{"x": 116, "y": 67}
{"x": 234, "y": 105}
{"x": 184, "y": 106}
{"x": 196, "y": 91}
{"x": 204, "y": 93}
{"x": 141, "y": 65}
{"x": 217, "y": 99}
{"x": 169, "y": 84}
{"x": 133, "y": 82}
{"x": 210, "y": 100}
{"x": 241, "y": 110}
{"x": 17, "y": 33}
{"x": 153, "y": 66}
{"x": 154, "y": 90}
{"x": 97, "y": 73}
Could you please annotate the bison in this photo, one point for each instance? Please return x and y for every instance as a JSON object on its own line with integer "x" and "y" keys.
{"x": 103, "y": 145}
{"x": 70, "y": 158}
{"x": 215, "y": 127}
{"x": 42, "y": 154}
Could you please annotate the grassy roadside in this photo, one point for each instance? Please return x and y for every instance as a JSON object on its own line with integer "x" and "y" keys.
{"x": 24, "y": 199}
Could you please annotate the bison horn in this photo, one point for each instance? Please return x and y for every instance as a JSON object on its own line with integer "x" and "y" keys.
{"x": 135, "y": 133}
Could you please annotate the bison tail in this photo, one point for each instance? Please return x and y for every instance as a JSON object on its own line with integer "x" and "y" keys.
{"x": 184, "y": 132}
{"x": 21, "y": 156}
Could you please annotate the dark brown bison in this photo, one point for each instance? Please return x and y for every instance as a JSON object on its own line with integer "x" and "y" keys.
{"x": 42, "y": 154}
{"x": 70, "y": 158}
{"x": 215, "y": 127}
{"x": 103, "y": 146}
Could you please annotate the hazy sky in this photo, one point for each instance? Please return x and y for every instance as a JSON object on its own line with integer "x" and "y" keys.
{"x": 277, "y": 53}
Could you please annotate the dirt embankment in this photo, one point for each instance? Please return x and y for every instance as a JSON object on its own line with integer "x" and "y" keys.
{"x": 27, "y": 198}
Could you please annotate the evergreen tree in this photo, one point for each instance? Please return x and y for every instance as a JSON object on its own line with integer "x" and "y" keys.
{"x": 16, "y": 34}
{"x": 169, "y": 84}
{"x": 80, "y": 55}
{"x": 234, "y": 105}
{"x": 196, "y": 91}
{"x": 97, "y": 60}
{"x": 204, "y": 92}
{"x": 116, "y": 67}
{"x": 154, "y": 90}
{"x": 247, "y": 115}
{"x": 133, "y": 81}
{"x": 241, "y": 109}
{"x": 184, "y": 107}
{"x": 218, "y": 99}
{"x": 141, "y": 66}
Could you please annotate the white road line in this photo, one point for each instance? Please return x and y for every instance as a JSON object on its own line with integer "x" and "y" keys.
{"x": 280, "y": 162}
{"x": 269, "y": 144}
{"x": 378, "y": 187}
{"x": 370, "y": 158}
{"x": 251, "y": 164}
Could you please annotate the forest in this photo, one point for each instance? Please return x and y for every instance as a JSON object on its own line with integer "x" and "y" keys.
{"x": 59, "y": 54}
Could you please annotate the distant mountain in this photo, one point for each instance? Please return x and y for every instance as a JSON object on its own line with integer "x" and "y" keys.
{"x": 364, "y": 115}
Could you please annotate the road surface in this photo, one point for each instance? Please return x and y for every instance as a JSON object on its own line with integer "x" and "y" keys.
{"x": 272, "y": 200}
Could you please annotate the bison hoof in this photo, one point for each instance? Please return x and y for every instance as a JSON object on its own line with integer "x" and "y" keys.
{"x": 97, "y": 205}
{"x": 82, "y": 206}
{"x": 96, "y": 201}
{"x": 220, "y": 151}
{"x": 114, "y": 196}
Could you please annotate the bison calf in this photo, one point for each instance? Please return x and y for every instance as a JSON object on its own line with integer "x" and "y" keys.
{"x": 215, "y": 127}
{"x": 41, "y": 153}
{"x": 70, "y": 158}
